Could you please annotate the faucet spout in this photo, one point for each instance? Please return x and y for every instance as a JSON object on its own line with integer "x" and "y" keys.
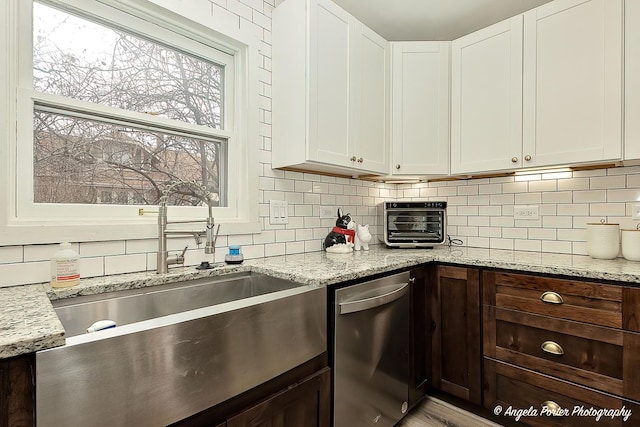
{"x": 163, "y": 259}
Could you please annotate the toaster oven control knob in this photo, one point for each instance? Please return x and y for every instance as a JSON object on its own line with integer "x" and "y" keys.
{"x": 398, "y": 166}
{"x": 353, "y": 158}
{"x": 514, "y": 160}
{"x": 527, "y": 157}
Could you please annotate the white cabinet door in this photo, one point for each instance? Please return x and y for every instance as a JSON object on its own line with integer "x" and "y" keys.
{"x": 632, "y": 80}
{"x": 369, "y": 100}
{"x": 329, "y": 104}
{"x": 486, "y": 99}
{"x": 420, "y": 108}
{"x": 572, "y": 96}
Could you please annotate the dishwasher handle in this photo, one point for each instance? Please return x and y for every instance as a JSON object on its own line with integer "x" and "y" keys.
{"x": 367, "y": 303}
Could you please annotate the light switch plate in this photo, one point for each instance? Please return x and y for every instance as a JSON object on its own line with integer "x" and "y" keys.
{"x": 278, "y": 212}
{"x": 529, "y": 212}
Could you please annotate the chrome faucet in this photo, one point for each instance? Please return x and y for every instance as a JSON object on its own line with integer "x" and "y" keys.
{"x": 164, "y": 259}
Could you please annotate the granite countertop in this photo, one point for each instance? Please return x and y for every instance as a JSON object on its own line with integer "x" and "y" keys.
{"x": 28, "y": 322}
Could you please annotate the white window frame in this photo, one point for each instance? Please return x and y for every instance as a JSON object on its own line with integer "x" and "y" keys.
{"x": 23, "y": 222}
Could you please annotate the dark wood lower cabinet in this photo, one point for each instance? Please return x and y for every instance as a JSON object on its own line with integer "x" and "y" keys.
{"x": 17, "y": 390}
{"x": 302, "y": 391}
{"x": 307, "y": 403}
{"x": 513, "y": 391}
{"x": 420, "y": 336}
{"x": 457, "y": 330}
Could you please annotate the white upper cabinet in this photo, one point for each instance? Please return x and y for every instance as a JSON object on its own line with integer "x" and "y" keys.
{"x": 571, "y": 102}
{"x": 369, "y": 90}
{"x": 486, "y": 98}
{"x": 330, "y": 91}
{"x": 632, "y": 80}
{"x": 420, "y": 108}
{"x": 328, "y": 80}
{"x": 572, "y": 85}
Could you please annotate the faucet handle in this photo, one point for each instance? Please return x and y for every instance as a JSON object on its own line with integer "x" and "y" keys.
{"x": 183, "y": 251}
{"x": 142, "y": 211}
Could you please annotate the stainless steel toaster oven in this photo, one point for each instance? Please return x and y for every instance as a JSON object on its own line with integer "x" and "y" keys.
{"x": 413, "y": 224}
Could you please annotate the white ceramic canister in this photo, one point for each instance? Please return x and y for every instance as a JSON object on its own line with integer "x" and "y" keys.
{"x": 631, "y": 244}
{"x": 603, "y": 240}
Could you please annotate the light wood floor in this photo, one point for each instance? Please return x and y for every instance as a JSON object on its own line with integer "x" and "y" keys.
{"x": 433, "y": 412}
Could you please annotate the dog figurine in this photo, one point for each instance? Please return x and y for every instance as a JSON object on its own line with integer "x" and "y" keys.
{"x": 363, "y": 237}
{"x": 342, "y": 237}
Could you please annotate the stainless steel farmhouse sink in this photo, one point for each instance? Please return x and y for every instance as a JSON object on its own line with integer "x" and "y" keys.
{"x": 177, "y": 349}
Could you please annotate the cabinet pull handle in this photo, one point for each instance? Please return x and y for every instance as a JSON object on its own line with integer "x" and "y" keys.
{"x": 551, "y": 406}
{"x": 360, "y": 160}
{"x": 398, "y": 166}
{"x": 514, "y": 160}
{"x": 527, "y": 157}
{"x": 353, "y": 158}
{"x": 551, "y": 298}
{"x": 552, "y": 348}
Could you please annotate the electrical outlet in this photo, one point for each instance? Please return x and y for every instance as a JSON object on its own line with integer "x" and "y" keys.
{"x": 278, "y": 212}
{"x": 635, "y": 214}
{"x": 328, "y": 212}
{"x": 530, "y": 212}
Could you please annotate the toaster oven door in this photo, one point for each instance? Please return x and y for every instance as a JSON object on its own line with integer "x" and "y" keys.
{"x": 415, "y": 226}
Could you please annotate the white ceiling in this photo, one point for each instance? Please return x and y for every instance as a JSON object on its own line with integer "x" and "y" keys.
{"x": 433, "y": 19}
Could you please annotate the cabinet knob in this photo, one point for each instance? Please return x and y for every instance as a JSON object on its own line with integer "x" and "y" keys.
{"x": 353, "y": 158}
{"x": 360, "y": 160}
{"x": 527, "y": 157}
{"x": 514, "y": 160}
{"x": 552, "y": 406}
{"x": 398, "y": 166}
{"x": 551, "y": 298}
{"x": 552, "y": 348}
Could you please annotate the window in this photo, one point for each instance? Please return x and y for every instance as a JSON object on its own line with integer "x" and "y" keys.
{"x": 115, "y": 100}
{"x": 75, "y": 153}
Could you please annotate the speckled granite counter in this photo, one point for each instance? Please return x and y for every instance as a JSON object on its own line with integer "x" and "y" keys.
{"x": 28, "y": 322}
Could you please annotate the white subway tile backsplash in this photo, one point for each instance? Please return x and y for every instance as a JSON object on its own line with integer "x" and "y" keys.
{"x": 542, "y": 233}
{"x": 90, "y": 249}
{"x": 11, "y": 254}
{"x": 489, "y": 189}
{"x": 556, "y": 247}
{"x": 607, "y": 209}
{"x": 501, "y": 243}
{"x": 573, "y": 184}
{"x": 557, "y": 197}
{"x": 490, "y": 210}
{"x": 607, "y": 182}
{"x": 528, "y": 245}
{"x": 42, "y": 252}
{"x": 23, "y": 273}
{"x": 124, "y": 264}
{"x": 549, "y": 185}
{"x": 590, "y": 196}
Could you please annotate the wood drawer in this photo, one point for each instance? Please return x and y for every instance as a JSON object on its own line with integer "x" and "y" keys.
{"x": 602, "y": 358}
{"x": 600, "y": 304}
{"x": 589, "y": 355}
{"x": 510, "y": 386}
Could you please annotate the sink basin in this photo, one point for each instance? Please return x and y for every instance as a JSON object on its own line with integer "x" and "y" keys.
{"x": 136, "y": 305}
{"x": 177, "y": 349}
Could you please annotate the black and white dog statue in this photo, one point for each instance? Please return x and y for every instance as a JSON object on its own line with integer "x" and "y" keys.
{"x": 341, "y": 238}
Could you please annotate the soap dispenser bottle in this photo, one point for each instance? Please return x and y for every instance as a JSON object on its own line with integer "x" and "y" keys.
{"x": 65, "y": 267}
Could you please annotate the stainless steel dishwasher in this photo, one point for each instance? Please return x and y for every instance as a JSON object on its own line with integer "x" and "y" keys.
{"x": 371, "y": 352}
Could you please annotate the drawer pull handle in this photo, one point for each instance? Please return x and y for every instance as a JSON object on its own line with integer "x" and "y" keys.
{"x": 552, "y": 406}
{"x": 552, "y": 347}
{"x": 551, "y": 298}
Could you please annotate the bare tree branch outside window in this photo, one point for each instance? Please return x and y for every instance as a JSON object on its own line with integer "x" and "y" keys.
{"x": 89, "y": 160}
